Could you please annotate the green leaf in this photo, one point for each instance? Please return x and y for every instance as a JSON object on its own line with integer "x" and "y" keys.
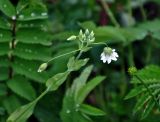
{"x": 5, "y": 36}
{"x": 141, "y": 101}
{"x": 3, "y": 90}
{"x": 4, "y": 73}
{"x": 88, "y": 88}
{"x": 4, "y": 62}
{"x": 148, "y": 109}
{"x": 23, "y": 113}
{"x": 33, "y": 11}
{"x": 134, "y": 92}
{"x": 149, "y": 74}
{"x": 80, "y": 82}
{"x": 63, "y": 35}
{"x": 151, "y": 26}
{"x": 33, "y": 36}
{"x": 29, "y": 69}
{"x": 90, "y": 110}
{"x": 4, "y": 49}
{"x": 33, "y": 24}
{"x": 7, "y": 8}
{"x": 74, "y": 64}
{"x": 109, "y": 34}
{"x": 133, "y": 34}
{"x": 11, "y": 106}
{"x": 70, "y": 112}
{"x": 22, "y": 87}
{"x": 4, "y": 24}
{"x": 32, "y": 52}
{"x": 57, "y": 80}
{"x": 88, "y": 25}
{"x": 156, "y": 35}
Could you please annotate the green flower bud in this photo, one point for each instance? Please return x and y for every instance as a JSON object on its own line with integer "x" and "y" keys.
{"x": 132, "y": 70}
{"x": 87, "y": 32}
{"x": 108, "y": 50}
{"x": 81, "y": 35}
{"x": 73, "y": 37}
{"x": 92, "y": 34}
{"x": 42, "y": 67}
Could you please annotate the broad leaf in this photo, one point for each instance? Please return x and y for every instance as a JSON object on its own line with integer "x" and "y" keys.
{"x": 29, "y": 69}
{"x": 22, "y": 87}
{"x": 33, "y": 11}
{"x": 32, "y": 52}
{"x": 3, "y": 90}
{"x": 4, "y": 24}
{"x": 88, "y": 25}
{"x": 5, "y": 36}
{"x": 11, "y": 106}
{"x": 33, "y": 36}
{"x": 7, "y": 8}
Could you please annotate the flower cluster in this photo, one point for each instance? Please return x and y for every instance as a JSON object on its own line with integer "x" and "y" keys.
{"x": 85, "y": 40}
{"x": 84, "y": 37}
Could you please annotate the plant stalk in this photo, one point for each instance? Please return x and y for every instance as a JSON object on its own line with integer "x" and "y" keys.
{"x": 109, "y": 12}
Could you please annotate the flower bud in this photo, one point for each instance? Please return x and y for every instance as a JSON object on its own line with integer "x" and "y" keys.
{"x": 42, "y": 67}
{"x": 73, "y": 37}
{"x": 87, "y": 32}
{"x": 132, "y": 70}
{"x": 92, "y": 34}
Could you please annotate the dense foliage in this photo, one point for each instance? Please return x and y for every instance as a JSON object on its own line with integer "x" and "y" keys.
{"x": 50, "y": 67}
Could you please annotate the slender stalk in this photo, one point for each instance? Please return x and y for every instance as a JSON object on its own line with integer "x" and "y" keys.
{"x": 100, "y": 43}
{"x": 63, "y": 55}
{"x": 129, "y": 8}
{"x": 79, "y": 55}
{"x": 149, "y": 91}
{"x": 109, "y": 12}
{"x": 41, "y": 95}
{"x": 143, "y": 11}
{"x": 131, "y": 56}
{"x": 130, "y": 48}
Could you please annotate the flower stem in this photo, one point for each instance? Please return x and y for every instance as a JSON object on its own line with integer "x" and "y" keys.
{"x": 149, "y": 91}
{"x": 100, "y": 43}
{"x": 143, "y": 11}
{"x": 63, "y": 55}
{"x": 109, "y": 12}
{"x": 41, "y": 95}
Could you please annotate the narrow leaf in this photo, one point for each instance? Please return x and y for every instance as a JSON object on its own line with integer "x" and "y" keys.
{"x": 22, "y": 114}
{"x": 88, "y": 88}
{"x": 90, "y": 110}
{"x": 54, "y": 82}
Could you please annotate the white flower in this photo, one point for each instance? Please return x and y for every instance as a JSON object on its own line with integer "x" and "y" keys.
{"x": 108, "y": 55}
